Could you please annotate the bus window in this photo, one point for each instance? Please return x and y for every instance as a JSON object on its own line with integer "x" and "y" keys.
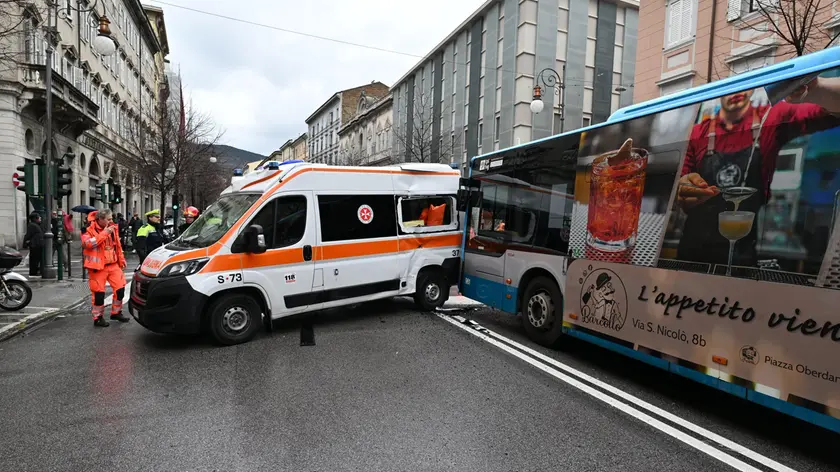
{"x": 528, "y": 207}
{"x": 555, "y": 187}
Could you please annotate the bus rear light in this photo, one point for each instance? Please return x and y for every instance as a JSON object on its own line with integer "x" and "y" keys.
{"x": 720, "y": 360}
{"x": 573, "y": 316}
{"x": 508, "y": 281}
{"x": 508, "y": 296}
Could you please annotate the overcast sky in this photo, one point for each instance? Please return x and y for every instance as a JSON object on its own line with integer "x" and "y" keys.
{"x": 260, "y": 84}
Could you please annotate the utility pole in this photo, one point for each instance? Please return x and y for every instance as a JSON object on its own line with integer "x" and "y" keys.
{"x": 48, "y": 272}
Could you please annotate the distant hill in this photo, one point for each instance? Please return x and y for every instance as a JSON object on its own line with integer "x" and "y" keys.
{"x": 232, "y": 157}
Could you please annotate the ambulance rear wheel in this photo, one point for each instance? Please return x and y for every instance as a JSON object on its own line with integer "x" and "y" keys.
{"x": 234, "y": 319}
{"x": 542, "y": 311}
{"x": 430, "y": 292}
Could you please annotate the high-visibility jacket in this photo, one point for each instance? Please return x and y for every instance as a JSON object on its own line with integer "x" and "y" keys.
{"x": 149, "y": 238}
{"x": 100, "y": 248}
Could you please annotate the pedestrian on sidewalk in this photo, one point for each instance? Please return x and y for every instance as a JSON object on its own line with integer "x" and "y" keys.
{"x": 134, "y": 226}
{"x": 104, "y": 260}
{"x": 34, "y": 240}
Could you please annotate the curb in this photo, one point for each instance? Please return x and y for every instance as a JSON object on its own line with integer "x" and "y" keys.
{"x": 12, "y": 330}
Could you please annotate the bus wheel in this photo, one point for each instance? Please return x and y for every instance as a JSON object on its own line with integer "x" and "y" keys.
{"x": 430, "y": 291}
{"x": 542, "y": 308}
{"x": 234, "y": 319}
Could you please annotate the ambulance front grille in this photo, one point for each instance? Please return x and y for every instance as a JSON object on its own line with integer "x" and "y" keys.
{"x": 141, "y": 289}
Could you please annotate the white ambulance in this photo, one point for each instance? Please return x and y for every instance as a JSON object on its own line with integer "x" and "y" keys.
{"x": 298, "y": 237}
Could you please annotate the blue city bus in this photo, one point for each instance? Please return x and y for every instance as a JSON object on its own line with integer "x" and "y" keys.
{"x": 696, "y": 232}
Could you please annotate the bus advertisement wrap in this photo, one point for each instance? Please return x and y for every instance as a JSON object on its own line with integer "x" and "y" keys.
{"x": 784, "y": 340}
{"x": 700, "y": 233}
{"x": 709, "y": 187}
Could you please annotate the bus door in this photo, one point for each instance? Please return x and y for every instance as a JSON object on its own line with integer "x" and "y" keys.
{"x": 486, "y": 244}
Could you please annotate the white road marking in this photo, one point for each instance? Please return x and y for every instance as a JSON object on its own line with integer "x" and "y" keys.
{"x": 766, "y": 461}
{"x": 110, "y": 298}
{"x": 505, "y": 345}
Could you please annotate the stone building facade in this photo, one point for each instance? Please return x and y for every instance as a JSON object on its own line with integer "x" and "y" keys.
{"x": 97, "y": 103}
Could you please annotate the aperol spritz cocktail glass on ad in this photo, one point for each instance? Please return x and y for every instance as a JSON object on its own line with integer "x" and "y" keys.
{"x": 615, "y": 200}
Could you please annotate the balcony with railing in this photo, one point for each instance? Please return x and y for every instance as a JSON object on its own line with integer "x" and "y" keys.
{"x": 74, "y": 109}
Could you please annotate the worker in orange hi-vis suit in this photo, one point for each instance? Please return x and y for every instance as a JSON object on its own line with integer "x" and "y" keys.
{"x": 104, "y": 260}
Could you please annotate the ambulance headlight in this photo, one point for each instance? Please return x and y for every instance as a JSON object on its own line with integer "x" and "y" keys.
{"x": 183, "y": 268}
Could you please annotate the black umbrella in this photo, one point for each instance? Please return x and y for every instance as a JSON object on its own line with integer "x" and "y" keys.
{"x": 83, "y": 209}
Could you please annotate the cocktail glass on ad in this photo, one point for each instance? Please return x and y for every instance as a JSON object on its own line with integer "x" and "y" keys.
{"x": 734, "y": 225}
{"x": 615, "y": 198}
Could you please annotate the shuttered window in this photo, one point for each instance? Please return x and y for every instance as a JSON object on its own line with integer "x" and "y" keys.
{"x": 680, "y": 21}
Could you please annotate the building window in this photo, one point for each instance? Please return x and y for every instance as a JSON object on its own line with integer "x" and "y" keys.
{"x": 750, "y": 63}
{"x": 680, "y": 22}
{"x": 587, "y": 121}
{"x": 674, "y": 87}
{"x": 558, "y": 123}
{"x": 496, "y": 125}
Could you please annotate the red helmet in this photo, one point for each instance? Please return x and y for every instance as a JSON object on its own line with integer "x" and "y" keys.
{"x": 191, "y": 211}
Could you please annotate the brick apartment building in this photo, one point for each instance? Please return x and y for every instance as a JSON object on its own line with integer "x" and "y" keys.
{"x": 686, "y": 43}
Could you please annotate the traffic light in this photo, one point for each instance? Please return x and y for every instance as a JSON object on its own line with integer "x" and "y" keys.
{"x": 100, "y": 193}
{"x": 63, "y": 178}
{"x": 110, "y": 188}
{"x": 175, "y": 203}
{"x": 26, "y": 175}
{"x": 117, "y": 193}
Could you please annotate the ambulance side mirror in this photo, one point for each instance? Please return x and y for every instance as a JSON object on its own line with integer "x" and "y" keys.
{"x": 255, "y": 240}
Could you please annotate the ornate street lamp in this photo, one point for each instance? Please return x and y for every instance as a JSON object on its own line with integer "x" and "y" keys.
{"x": 553, "y": 80}
{"x": 104, "y": 44}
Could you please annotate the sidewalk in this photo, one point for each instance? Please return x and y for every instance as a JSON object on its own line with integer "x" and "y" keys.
{"x": 53, "y": 297}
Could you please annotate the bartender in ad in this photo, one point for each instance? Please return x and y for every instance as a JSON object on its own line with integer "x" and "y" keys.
{"x": 730, "y": 162}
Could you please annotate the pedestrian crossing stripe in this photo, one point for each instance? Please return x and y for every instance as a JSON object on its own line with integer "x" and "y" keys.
{"x": 110, "y": 298}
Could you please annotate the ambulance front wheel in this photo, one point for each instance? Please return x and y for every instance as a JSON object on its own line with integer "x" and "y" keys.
{"x": 431, "y": 291}
{"x": 234, "y": 319}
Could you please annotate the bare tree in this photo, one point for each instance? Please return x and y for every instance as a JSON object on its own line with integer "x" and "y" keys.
{"x": 353, "y": 156}
{"x": 18, "y": 18}
{"x": 797, "y": 24}
{"x": 416, "y": 138}
{"x": 179, "y": 143}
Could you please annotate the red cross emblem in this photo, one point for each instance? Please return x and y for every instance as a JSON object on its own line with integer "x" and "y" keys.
{"x": 365, "y": 214}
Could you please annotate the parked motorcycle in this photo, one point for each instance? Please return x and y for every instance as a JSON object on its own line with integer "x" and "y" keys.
{"x": 15, "y": 293}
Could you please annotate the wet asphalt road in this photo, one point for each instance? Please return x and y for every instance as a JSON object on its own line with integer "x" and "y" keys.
{"x": 384, "y": 388}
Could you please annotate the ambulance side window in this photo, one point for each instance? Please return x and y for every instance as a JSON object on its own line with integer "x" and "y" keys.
{"x": 427, "y": 214}
{"x": 291, "y": 221}
{"x": 354, "y": 217}
{"x": 283, "y": 221}
{"x": 265, "y": 218}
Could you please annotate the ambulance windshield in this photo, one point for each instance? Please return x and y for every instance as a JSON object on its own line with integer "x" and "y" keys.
{"x": 216, "y": 220}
